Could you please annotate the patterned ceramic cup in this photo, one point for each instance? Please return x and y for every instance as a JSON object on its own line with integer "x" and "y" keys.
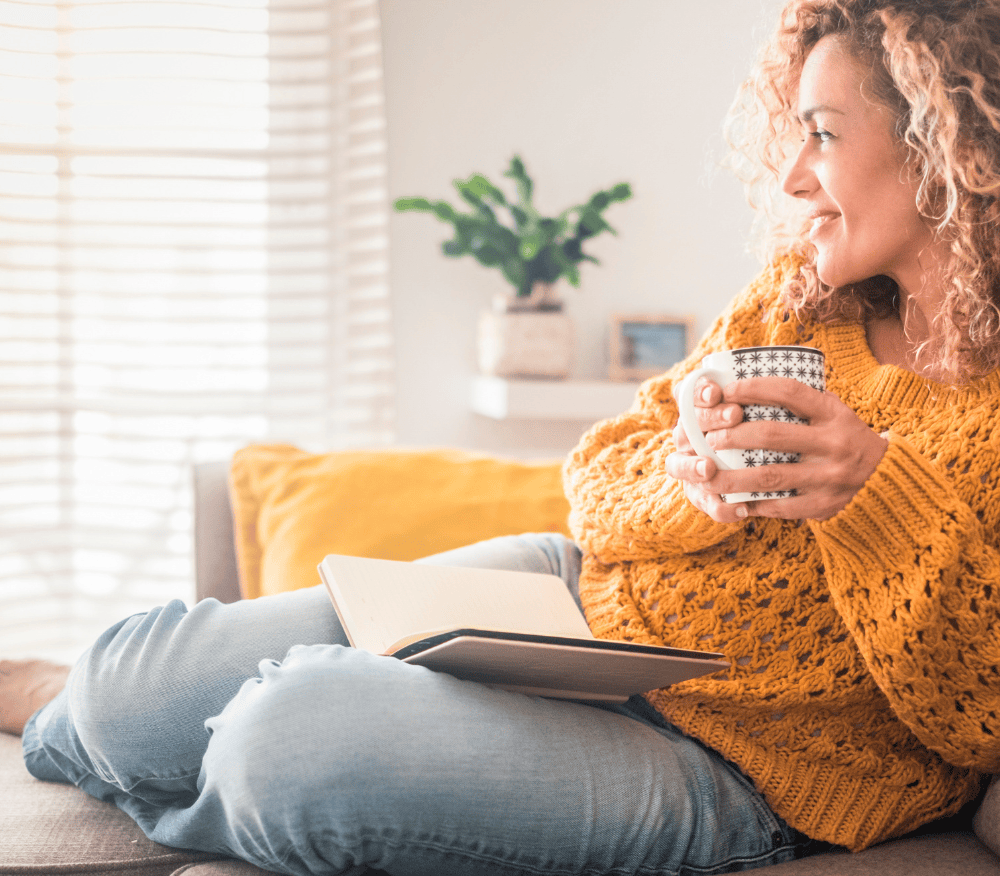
{"x": 804, "y": 364}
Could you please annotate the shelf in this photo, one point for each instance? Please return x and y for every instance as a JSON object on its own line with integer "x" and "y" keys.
{"x": 502, "y": 398}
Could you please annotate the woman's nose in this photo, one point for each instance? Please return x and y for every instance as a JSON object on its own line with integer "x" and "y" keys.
{"x": 799, "y": 180}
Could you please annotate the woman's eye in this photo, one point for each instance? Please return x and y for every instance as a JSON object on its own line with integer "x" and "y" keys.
{"x": 821, "y": 135}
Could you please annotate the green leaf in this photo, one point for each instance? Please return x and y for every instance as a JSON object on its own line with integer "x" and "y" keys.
{"x": 531, "y": 245}
{"x": 547, "y": 267}
{"x": 572, "y": 250}
{"x": 621, "y": 192}
{"x": 444, "y": 211}
{"x": 591, "y": 223}
{"x": 516, "y": 274}
{"x": 502, "y": 239}
{"x": 487, "y": 255}
{"x": 468, "y": 194}
{"x": 405, "y": 204}
{"x": 468, "y": 221}
{"x": 600, "y": 200}
{"x": 518, "y": 173}
{"x": 482, "y": 208}
{"x": 551, "y": 229}
{"x": 480, "y": 186}
{"x": 521, "y": 218}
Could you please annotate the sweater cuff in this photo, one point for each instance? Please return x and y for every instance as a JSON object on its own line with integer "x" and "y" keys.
{"x": 901, "y": 509}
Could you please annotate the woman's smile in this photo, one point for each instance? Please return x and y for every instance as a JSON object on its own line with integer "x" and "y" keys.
{"x": 820, "y": 223}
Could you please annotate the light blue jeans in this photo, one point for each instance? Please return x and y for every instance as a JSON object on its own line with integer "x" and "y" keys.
{"x": 252, "y": 730}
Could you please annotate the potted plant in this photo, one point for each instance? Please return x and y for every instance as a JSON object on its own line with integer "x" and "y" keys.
{"x": 526, "y": 334}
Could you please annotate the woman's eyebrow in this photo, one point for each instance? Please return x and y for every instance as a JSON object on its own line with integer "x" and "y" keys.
{"x": 807, "y": 115}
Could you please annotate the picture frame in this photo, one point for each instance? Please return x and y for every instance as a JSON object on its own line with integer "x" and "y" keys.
{"x": 644, "y": 345}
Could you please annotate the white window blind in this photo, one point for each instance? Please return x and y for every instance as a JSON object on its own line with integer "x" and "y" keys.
{"x": 193, "y": 228}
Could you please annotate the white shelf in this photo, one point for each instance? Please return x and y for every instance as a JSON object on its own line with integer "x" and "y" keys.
{"x": 502, "y": 398}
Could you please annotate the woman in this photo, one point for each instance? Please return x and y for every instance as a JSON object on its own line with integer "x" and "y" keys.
{"x": 859, "y": 615}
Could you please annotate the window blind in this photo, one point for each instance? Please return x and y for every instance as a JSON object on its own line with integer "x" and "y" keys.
{"x": 193, "y": 243}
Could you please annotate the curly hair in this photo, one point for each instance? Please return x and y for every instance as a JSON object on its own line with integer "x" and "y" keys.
{"x": 935, "y": 64}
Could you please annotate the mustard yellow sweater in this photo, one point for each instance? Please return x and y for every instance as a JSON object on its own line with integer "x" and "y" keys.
{"x": 863, "y": 697}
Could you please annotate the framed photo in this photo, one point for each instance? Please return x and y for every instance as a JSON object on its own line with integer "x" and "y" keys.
{"x": 646, "y": 345}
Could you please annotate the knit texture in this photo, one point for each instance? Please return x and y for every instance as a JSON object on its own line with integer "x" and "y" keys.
{"x": 863, "y": 697}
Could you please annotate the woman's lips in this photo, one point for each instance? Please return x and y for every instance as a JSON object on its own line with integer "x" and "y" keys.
{"x": 820, "y": 221}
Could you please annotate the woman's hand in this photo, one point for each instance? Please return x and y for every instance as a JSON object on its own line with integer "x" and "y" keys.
{"x": 838, "y": 452}
{"x": 697, "y": 472}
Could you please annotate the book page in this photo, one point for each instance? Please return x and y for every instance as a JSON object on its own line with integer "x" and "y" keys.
{"x": 382, "y": 601}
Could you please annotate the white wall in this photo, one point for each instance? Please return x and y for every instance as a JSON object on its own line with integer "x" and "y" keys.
{"x": 589, "y": 93}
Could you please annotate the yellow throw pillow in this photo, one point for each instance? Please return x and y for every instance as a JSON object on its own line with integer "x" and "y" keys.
{"x": 292, "y": 508}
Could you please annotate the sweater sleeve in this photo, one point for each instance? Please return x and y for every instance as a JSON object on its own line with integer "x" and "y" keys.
{"x": 623, "y": 506}
{"x": 911, "y": 570}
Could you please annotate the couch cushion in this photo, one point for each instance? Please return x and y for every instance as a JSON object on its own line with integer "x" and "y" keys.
{"x": 291, "y": 508}
{"x": 945, "y": 854}
{"x": 50, "y": 828}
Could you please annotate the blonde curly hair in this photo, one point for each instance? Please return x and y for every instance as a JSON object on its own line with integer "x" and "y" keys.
{"x": 935, "y": 64}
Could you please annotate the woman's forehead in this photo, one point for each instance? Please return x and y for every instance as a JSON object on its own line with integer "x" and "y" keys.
{"x": 832, "y": 80}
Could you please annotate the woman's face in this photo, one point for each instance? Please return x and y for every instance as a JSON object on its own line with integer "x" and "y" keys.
{"x": 851, "y": 177}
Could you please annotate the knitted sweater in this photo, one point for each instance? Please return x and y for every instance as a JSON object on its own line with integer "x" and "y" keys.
{"x": 863, "y": 697}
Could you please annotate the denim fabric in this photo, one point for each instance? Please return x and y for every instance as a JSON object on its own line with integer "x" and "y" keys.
{"x": 253, "y": 730}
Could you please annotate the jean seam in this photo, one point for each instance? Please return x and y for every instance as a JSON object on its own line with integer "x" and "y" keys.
{"x": 725, "y": 866}
{"x": 405, "y": 846}
{"x": 409, "y": 846}
{"x": 765, "y": 813}
{"x": 638, "y": 708}
{"x": 99, "y": 772}
{"x": 129, "y": 789}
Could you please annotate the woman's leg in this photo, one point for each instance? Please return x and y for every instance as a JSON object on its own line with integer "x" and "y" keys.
{"x": 546, "y": 552}
{"x": 131, "y": 719}
{"x": 335, "y": 759}
{"x": 133, "y": 713}
{"x": 205, "y": 728}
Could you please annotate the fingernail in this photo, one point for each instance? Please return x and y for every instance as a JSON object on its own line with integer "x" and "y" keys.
{"x": 741, "y": 512}
{"x": 706, "y": 394}
{"x": 701, "y": 467}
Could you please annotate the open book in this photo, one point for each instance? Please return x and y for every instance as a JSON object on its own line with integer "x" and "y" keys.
{"x": 517, "y": 630}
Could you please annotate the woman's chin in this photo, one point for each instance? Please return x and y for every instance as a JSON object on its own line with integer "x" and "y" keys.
{"x": 834, "y": 275}
{"x": 826, "y": 276}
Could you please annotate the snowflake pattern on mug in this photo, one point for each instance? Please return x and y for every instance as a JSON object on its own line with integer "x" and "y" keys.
{"x": 799, "y": 363}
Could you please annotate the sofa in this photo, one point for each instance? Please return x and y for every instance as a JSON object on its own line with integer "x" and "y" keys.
{"x": 241, "y": 512}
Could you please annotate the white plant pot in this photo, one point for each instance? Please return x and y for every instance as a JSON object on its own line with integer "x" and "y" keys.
{"x": 525, "y": 344}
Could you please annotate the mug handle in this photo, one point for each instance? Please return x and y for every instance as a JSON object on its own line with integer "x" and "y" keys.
{"x": 689, "y": 418}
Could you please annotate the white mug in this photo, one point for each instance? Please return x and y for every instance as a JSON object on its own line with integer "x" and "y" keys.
{"x": 804, "y": 364}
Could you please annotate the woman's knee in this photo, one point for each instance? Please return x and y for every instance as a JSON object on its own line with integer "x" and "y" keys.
{"x": 104, "y": 690}
{"x": 549, "y": 553}
{"x": 323, "y": 708}
{"x": 332, "y": 730}
{"x": 336, "y": 757}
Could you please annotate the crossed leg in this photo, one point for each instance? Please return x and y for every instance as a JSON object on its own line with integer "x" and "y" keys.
{"x": 247, "y": 730}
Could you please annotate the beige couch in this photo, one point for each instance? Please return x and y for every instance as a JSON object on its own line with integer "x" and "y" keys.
{"x": 48, "y": 828}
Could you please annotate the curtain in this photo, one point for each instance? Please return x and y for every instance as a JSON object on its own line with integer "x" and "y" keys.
{"x": 193, "y": 243}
